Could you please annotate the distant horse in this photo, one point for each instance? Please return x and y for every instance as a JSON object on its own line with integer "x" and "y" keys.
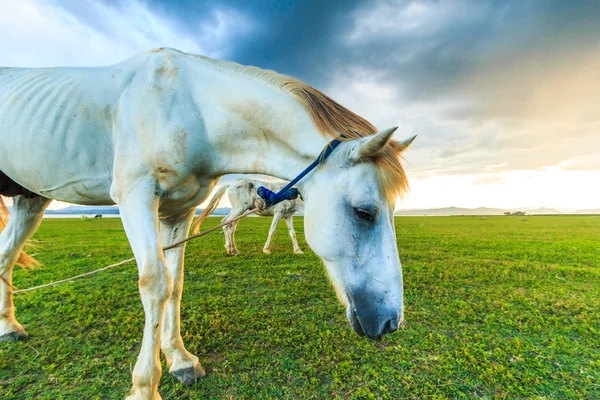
{"x": 165, "y": 126}
{"x": 242, "y": 196}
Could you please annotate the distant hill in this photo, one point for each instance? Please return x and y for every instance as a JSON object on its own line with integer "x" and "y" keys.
{"x": 114, "y": 210}
{"x": 447, "y": 211}
{"x": 79, "y": 210}
{"x": 544, "y": 211}
{"x": 84, "y": 210}
{"x": 218, "y": 211}
{"x": 594, "y": 211}
{"x": 110, "y": 210}
{"x": 453, "y": 211}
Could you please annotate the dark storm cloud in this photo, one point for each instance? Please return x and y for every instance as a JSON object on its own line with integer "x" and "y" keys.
{"x": 454, "y": 42}
{"x": 299, "y": 38}
{"x": 508, "y": 64}
{"x": 427, "y": 51}
{"x": 492, "y": 60}
{"x": 426, "y": 48}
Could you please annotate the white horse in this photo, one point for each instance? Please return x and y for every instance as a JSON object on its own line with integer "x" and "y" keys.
{"x": 165, "y": 127}
{"x": 242, "y": 196}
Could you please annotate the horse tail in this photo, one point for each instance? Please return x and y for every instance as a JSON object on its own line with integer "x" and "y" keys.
{"x": 24, "y": 260}
{"x": 214, "y": 202}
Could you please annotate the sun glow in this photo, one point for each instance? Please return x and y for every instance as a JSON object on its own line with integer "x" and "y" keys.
{"x": 550, "y": 187}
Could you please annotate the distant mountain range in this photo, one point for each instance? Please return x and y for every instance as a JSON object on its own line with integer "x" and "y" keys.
{"x": 86, "y": 210}
{"x": 489, "y": 211}
{"x": 594, "y": 211}
{"x": 110, "y": 210}
{"x": 452, "y": 211}
{"x": 106, "y": 210}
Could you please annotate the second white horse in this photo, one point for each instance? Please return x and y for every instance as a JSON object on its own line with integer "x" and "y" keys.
{"x": 242, "y": 196}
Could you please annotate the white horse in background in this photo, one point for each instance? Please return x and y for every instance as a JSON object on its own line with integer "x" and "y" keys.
{"x": 242, "y": 196}
{"x": 165, "y": 126}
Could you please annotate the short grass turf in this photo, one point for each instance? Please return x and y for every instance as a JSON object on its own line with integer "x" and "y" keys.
{"x": 506, "y": 307}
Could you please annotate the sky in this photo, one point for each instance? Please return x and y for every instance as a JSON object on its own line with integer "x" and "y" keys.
{"x": 503, "y": 95}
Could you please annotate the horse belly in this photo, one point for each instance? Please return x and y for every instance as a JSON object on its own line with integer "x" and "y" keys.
{"x": 265, "y": 213}
{"x": 86, "y": 185}
{"x": 55, "y": 130}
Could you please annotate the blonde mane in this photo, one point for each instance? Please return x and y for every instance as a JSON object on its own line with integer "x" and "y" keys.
{"x": 334, "y": 121}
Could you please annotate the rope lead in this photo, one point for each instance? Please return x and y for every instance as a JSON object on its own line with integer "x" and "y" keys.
{"x": 259, "y": 206}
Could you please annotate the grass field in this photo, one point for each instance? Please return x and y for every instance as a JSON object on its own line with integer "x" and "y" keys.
{"x": 507, "y": 307}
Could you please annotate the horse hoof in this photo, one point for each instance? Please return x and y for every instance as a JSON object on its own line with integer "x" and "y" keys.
{"x": 141, "y": 394}
{"x": 266, "y": 251}
{"x": 189, "y": 375}
{"x": 233, "y": 252}
{"x": 298, "y": 252}
{"x": 14, "y": 336}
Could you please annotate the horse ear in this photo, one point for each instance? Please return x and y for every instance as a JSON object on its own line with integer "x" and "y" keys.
{"x": 371, "y": 146}
{"x": 406, "y": 143}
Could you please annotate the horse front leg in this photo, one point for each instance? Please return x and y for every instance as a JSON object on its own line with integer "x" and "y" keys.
{"x": 184, "y": 366}
{"x": 290, "y": 225}
{"x": 139, "y": 213}
{"x": 229, "y": 231}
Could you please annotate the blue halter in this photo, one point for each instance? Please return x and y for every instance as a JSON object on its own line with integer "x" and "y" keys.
{"x": 289, "y": 193}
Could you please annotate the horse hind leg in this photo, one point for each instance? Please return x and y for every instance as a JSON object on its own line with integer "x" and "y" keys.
{"x": 274, "y": 222}
{"x": 226, "y": 233}
{"x": 25, "y": 219}
{"x": 229, "y": 231}
{"x": 233, "y": 249}
{"x": 290, "y": 225}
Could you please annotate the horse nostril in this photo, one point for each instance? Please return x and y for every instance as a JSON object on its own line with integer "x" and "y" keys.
{"x": 392, "y": 325}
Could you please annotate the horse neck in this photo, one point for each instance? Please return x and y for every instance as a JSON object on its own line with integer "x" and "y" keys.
{"x": 267, "y": 132}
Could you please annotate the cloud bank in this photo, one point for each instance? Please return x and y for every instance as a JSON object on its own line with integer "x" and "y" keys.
{"x": 491, "y": 88}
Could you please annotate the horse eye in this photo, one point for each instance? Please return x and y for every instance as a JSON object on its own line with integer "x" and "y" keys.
{"x": 363, "y": 214}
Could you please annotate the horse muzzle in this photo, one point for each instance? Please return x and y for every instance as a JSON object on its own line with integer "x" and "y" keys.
{"x": 374, "y": 325}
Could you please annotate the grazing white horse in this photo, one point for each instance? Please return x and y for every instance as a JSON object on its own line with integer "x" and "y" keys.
{"x": 242, "y": 196}
{"x": 165, "y": 127}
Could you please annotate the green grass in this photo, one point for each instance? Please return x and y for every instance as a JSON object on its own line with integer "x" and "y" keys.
{"x": 506, "y": 307}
